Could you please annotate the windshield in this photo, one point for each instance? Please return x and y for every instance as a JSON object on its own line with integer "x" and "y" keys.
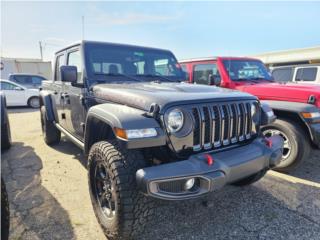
{"x": 112, "y": 63}
{"x": 246, "y": 70}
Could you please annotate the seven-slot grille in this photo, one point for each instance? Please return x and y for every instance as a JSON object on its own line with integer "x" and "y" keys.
{"x": 221, "y": 124}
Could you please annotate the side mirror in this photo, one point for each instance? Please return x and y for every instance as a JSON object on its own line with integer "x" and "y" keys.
{"x": 214, "y": 80}
{"x": 68, "y": 74}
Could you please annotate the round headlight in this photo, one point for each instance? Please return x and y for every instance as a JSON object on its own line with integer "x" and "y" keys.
{"x": 175, "y": 120}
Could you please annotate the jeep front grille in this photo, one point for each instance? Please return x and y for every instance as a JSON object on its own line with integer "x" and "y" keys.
{"x": 221, "y": 124}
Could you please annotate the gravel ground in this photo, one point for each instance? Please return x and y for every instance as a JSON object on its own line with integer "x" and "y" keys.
{"x": 48, "y": 193}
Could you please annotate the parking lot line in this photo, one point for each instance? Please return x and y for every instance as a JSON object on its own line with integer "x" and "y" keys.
{"x": 293, "y": 179}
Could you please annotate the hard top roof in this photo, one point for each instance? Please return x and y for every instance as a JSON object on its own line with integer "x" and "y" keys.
{"x": 83, "y": 42}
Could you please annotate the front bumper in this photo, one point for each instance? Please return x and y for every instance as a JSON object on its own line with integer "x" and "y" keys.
{"x": 166, "y": 181}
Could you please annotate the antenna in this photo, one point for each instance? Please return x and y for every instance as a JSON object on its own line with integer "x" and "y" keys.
{"x": 82, "y": 18}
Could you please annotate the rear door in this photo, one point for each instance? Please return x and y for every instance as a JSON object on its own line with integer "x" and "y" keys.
{"x": 74, "y": 107}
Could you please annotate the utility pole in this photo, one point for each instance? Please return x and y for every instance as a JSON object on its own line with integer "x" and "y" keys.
{"x": 82, "y": 18}
{"x": 41, "y": 52}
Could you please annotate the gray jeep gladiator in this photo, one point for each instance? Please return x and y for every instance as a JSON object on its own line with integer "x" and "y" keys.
{"x": 148, "y": 135}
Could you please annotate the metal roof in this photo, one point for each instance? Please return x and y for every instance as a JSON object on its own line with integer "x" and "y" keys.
{"x": 292, "y": 55}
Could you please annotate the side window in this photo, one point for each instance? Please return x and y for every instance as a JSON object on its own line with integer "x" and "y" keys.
{"x": 201, "y": 73}
{"x": 36, "y": 80}
{"x": 74, "y": 59}
{"x": 23, "y": 79}
{"x": 7, "y": 86}
{"x": 283, "y": 74}
{"x": 59, "y": 63}
{"x": 185, "y": 70}
{"x": 306, "y": 74}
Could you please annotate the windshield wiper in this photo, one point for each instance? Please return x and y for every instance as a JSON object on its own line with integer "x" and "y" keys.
{"x": 240, "y": 79}
{"x": 250, "y": 79}
{"x": 157, "y": 76}
{"x": 119, "y": 75}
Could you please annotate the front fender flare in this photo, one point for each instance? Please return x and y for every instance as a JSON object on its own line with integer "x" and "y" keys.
{"x": 124, "y": 117}
{"x": 296, "y": 108}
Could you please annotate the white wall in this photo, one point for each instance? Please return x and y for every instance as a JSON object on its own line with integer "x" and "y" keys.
{"x": 34, "y": 66}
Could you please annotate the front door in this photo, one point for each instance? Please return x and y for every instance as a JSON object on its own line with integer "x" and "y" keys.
{"x": 74, "y": 108}
{"x": 58, "y": 90}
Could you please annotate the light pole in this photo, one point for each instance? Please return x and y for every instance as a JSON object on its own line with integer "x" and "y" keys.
{"x": 41, "y": 50}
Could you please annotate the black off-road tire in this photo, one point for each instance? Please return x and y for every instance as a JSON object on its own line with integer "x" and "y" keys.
{"x": 132, "y": 209}
{"x": 251, "y": 179}
{"x": 298, "y": 140}
{"x": 51, "y": 134}
{"x": 5, "y": 135}
{"x": 5, "y": 212}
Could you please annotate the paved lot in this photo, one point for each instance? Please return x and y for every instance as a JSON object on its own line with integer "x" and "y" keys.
{"x": 49, "y": 199}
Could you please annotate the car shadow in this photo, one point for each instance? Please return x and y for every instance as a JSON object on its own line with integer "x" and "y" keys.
{"x": 67, "y": 147}
{"x": 272, "y": 208}
{"x": 258, "y": 211}
{"x": 309, "y": 169}
{"x": 35, "y": 212}
{"x": 21, "y": 110}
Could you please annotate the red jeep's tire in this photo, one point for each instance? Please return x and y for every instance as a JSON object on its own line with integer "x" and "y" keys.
{"x": 296, "y": 143}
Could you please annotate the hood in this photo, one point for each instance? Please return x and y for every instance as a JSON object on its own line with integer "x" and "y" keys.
{"x": 143, "y": 95}
{"x": 283, "y": 92}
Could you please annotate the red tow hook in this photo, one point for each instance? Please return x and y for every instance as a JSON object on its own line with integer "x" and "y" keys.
{"x": 268, "y": 142}
{"x": 210, "y": 160}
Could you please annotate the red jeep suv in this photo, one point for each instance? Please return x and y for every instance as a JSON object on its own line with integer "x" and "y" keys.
{"x": 297, "y": 106}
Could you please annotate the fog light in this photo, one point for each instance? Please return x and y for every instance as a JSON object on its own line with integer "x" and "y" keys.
{"x": 189, "y": 184}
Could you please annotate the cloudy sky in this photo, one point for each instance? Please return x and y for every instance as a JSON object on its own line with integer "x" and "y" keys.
{"x": 189, "y": 29}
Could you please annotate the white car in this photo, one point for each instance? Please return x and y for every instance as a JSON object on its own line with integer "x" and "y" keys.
{"x": 300, "y": 73}
{"x": 18, "y": 95}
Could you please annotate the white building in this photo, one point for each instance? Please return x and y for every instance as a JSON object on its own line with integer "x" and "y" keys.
{"x": 24, "y": 65}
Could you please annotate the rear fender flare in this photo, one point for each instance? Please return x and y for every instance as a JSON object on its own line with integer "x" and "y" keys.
{"x": 47, "y": 101}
